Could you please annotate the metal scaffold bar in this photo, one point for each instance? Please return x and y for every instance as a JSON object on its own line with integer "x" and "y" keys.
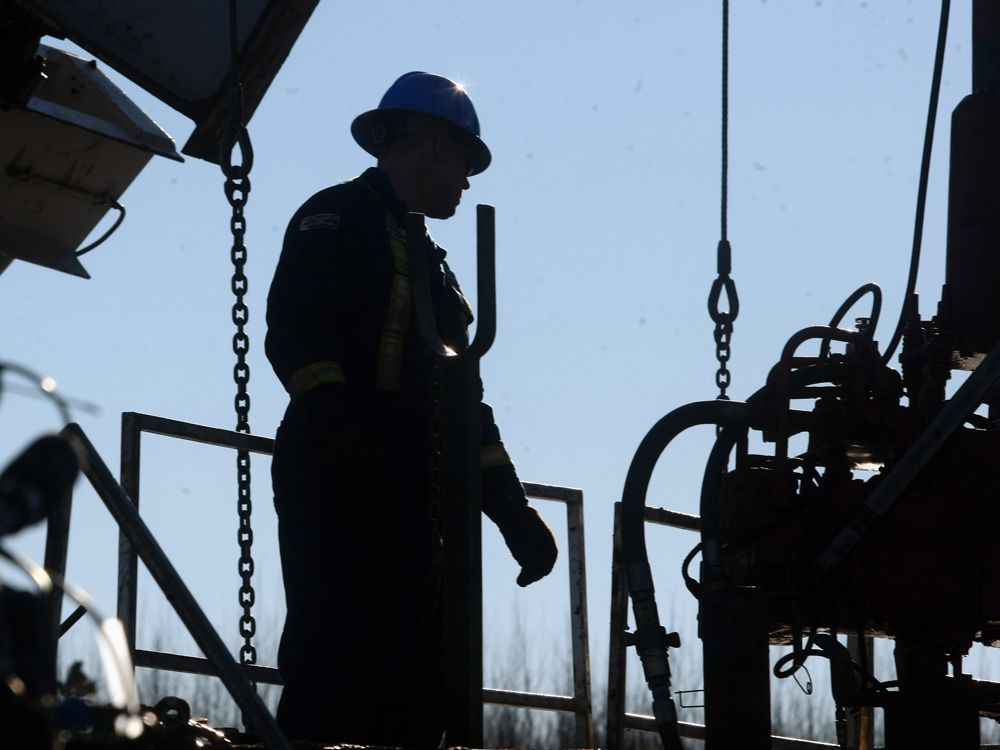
{"x": 166, "y": 576}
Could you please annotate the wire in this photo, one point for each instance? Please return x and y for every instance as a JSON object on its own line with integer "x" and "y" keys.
{"x": 114, "y": 227}
{"x": 692, "y": 583}
{"x": 799, "y": 657}
{"x": 725, "y": 121}
{"x": 925, "y": 166}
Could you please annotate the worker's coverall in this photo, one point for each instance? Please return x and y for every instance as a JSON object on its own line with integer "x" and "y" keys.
{"x": 361, "y": 652}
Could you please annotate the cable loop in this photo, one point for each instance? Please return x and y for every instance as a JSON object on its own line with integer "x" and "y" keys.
{"x": 723, "y": 283}
{"x": 114, "y": 227}
{"x": 240, "y": 142}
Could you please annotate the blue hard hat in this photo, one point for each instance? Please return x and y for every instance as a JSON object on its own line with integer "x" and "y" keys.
{"x": 431, "y": 95}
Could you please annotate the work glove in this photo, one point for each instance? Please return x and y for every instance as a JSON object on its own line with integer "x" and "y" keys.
{"x": 531, "y": 543}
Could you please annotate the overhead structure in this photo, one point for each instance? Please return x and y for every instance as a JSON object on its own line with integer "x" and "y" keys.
{"x": 68, "y": 154}
{"x": 71, "y": 142}
{"x": 179, "y": 51}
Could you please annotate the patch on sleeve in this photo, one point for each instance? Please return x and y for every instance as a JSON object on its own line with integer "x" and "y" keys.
{"x": 319, "y": 221}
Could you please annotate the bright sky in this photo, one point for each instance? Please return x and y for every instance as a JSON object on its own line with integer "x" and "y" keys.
{"x": 604, "y": 124}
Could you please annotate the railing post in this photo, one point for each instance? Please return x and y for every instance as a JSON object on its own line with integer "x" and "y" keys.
{"x": 616, "y": 640}
{"x": 584, "y": 725}
{"x": 462, "y": 533}
{"x": 462, "y": 497}
{"x": 861, "y": 720}
{"x": 56, "y": 552}
{"x": 128, "y": 561}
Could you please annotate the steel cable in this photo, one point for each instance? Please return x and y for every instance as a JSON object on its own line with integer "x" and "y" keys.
{"x": 723, "y": 286}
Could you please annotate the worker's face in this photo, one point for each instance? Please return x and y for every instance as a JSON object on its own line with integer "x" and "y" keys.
{"x": 447, "y": 176}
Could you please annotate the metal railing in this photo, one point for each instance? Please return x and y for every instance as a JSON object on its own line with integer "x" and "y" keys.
{"x": 618, "y": 720}
{"x": 134, "y": 424}
{"x": 137, "y": 536}
{"x": 580, "y": 703}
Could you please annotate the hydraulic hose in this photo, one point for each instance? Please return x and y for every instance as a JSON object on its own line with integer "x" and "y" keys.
{"x": 711, "y": 489}
{"x": 925, "y": 167}
{"x": 718, "y": 461}
{"x": 651, "y": 639}
{"x": 876, "y": 292}
{"x": 781, "y": 376}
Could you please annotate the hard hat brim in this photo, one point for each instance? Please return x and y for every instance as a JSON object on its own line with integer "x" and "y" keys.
{"x": 363, "y": 131}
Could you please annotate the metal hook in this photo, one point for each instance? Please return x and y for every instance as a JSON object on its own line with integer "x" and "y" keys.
{"x": 486, "y": 272}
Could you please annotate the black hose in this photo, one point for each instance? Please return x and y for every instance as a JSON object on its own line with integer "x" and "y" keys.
{"x": 925, "y": 168}
{"x": 726, "y": 413}
{"x": 711, "y": 490}
{"x": 651, "y": 639}
{"x": 876, "y": 292}
{"x": 692, "y": 583}
{"x": 718, "y": 461}
{"x": 114, "y": 227}
{"x": 644, "y": 461}
{"x": 829, "y": 648}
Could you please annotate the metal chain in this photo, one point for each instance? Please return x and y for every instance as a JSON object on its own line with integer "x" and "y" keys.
{"x": 723, "y": 336}
{"x": 724, "y": 316}
{"x": 237, "y": 189}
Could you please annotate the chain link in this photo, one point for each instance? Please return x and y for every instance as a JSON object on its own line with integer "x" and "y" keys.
{"x": 723, "y": 335}
{"x": 723, "y": 307}
{"x": 237, "y": 189}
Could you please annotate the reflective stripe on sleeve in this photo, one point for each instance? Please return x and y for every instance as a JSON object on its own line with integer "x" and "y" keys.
{"x": 494, "y": 455}
{"x": 312, "y": 375}
{"x": 397, "y": 319}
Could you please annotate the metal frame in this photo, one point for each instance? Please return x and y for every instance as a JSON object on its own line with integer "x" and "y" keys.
{"x": 618, "y": 720}
{"x": 580, "y": 703}
{"x": 133, "y": 425}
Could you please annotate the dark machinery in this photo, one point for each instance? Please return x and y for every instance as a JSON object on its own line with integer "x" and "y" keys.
{"x": 886, "y": 523}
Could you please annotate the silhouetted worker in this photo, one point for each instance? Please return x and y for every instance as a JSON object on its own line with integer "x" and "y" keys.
{"x": 361, "y": 654}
